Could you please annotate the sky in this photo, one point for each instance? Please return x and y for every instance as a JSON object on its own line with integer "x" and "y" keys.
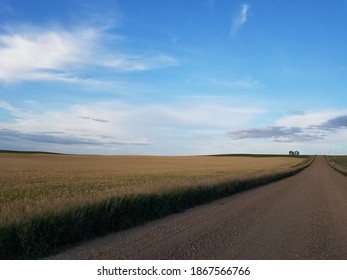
{"x": 178, "y": 77}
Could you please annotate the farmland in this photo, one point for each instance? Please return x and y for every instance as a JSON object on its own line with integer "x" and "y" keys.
{"x": 339, "y": 163}
{"x": 44, "y": 187}
{"x": 299, "y": 218}
{"x": 30, "y": 184}
{"x": 341, "y": 160}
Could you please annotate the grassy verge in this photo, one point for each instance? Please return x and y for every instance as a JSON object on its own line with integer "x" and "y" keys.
{"x": 46, "y": 234}
{"x": 339, "y": 163}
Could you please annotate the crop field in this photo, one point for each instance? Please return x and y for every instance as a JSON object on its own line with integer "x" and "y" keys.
{"x": 341, "y": 160}
{"x": 44, "y": 187}
{"x": 30, "y": 184}
{"x": 339, "y": 163}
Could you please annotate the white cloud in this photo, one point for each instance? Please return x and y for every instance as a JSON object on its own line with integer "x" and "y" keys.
{"x": 244, "y": 83}
{"x": 315, "y": 132}
{"x": 40, "y": 54}
{"x": 184, "y": 127}
{"x": 307, "y": 119}
{"x": 8, "y": 107}
{"x": 279, "y": 134}
{"x": 241, "y": 18}
{"x": 181, "y": 128}
{"x": 31, "y": 53}
{"x": 138, "y": 63}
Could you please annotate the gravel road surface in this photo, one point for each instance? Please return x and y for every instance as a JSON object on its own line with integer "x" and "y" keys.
{"x": 301, "y": 217}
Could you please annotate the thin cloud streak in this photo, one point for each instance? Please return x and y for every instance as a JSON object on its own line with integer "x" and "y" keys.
{"x": 245, "y": 83}
{"x": 240, "y": 19}
{"x": 93, "y": 119}
{"x": 61, "y": 138}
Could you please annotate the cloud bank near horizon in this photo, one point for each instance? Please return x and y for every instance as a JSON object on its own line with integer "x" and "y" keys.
{"x": 294, "y": 133}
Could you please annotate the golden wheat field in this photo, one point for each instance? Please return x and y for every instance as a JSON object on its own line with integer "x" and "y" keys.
{"x": 34, "y": 183}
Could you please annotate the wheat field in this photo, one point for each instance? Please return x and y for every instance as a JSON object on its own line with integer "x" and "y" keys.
{"x": 32, "y": 184}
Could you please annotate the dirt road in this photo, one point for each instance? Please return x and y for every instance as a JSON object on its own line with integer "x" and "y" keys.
{"x": 302, "y": 217}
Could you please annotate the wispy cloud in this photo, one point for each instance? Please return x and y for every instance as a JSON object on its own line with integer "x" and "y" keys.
{"x": 294, "y": 133}
{"x": 57, "y": 54}
{"x": 129, "y": 63}
{"x": 31, "y": 54}
{"x": 278, "y": 134}
{"x": 306, "y": 119}
{"x": 93, "y": 119}
{"x": 244, "y": 83}
{"x": 59, "y": 138}
{"x": 240, "y": 19}
{"x": 186, "y": 126}
{"x": 14, "y": 135}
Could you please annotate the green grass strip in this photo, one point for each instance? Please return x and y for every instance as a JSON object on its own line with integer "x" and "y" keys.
{"x": 48, "y": 234}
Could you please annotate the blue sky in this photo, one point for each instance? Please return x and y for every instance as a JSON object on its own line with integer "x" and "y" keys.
{"x": 173, "y": 77}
